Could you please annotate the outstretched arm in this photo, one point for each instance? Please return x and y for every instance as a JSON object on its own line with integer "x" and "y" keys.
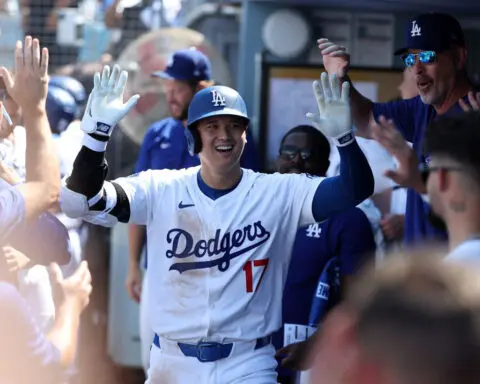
{"x": 350, "y": 188}
{"x": 355, "y": 182}
{"x": 28, "y": 88}
{"x": 87, "y": 194}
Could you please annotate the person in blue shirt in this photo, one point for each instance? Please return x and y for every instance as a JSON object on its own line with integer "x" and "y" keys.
{"x": 436, "y": 53}
{"x": 165, "y": 147}
{"x": 346, "y": 238}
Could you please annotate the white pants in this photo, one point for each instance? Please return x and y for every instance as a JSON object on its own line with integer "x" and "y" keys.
{"x": 169, "y": 366}
{"x": 146, "y": 333}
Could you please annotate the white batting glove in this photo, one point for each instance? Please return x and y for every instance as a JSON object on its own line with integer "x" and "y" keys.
{"x": 105, "y": 106}
{"x": 335, "y": 119}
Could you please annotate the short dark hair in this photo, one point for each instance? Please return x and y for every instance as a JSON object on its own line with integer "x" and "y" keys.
{"x": 317, "y": 138}
{"x": 421, "y": 316}
{"x": 457, "y": 138}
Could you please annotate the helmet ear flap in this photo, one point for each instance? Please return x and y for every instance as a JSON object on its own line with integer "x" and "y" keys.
{"x": 194, "y": 142}
{"x": 197, "y": 140}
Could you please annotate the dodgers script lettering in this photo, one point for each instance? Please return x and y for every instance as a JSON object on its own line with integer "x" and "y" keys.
{"x": 229, "y": 245}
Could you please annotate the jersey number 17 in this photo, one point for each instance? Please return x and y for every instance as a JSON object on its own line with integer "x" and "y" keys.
{"x": 249, "y": 268}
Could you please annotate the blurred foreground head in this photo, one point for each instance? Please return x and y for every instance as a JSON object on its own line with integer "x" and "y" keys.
{"x": 413, "y": 321}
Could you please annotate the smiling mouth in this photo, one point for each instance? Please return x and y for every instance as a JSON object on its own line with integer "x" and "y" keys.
{"x": 224, "y": 148}
{"x": 424, "y": 85}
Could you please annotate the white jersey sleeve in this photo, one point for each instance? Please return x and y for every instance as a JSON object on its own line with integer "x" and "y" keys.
{"x": 144, "y": 191}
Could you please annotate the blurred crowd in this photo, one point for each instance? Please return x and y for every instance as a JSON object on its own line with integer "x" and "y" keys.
{"x": 385, "y": 292}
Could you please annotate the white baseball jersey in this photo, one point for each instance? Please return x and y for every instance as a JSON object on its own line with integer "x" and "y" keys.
{"x": 216, "y": 268}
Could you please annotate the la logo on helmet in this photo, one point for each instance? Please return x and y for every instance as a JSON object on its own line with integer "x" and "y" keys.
{"x": 218, "y": 100}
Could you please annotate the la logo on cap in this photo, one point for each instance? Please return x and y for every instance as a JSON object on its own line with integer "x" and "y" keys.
{"x": 218, "y": 100}
{"x": 416, "y": 30}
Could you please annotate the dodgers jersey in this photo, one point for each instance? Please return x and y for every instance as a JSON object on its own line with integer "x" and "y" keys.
{"x": 347, "y": 236}
{"x": 217, "y": 267}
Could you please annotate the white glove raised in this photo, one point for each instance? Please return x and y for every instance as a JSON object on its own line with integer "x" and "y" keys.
{"x": 105, "y": 106}
{"x": 335, "y": 120}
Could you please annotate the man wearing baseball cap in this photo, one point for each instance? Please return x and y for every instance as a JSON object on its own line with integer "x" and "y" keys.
{"x": 165, "y": 147}
{"x": 436, "y": 54}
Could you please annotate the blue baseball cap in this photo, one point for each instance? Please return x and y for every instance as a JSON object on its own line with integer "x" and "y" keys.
{"x": 432, "y": 32}
{"x": 187, "y": 64}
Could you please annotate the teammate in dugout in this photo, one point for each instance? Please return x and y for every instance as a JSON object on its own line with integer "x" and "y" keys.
{"x": 219, "y": 237}
{"x": 325, "y": 256}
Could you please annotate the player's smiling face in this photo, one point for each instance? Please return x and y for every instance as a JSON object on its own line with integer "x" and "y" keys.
{"x": 223, "y": 140}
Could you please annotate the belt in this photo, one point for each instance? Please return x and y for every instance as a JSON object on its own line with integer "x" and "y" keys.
{"x": 210, "y": 351}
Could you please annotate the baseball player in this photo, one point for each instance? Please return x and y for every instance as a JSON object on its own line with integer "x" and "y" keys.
{"x": 325, "y": 255}
{"x": 437, "y": 58}
{"x": 219, "y": 237}
{"x": 164, "y": 147}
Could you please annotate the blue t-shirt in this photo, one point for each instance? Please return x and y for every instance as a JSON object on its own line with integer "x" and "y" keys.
{"x": 26, "y": 355}
{"x": 165, "y": 147}
{"x": 347, "y": 236}
{"x": 412, "y": 117}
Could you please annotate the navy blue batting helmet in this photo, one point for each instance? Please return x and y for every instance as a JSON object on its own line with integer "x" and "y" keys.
{"x": 212, "y": 101}
{"x": 71, "y": 85}
{"x": 61, "y": 109}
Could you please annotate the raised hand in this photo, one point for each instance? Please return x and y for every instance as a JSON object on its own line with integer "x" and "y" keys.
{"x": 336, "y": 59}
{"x": 105, "y": 106}
{"x": 407, "y": 174}
{"x": 473, "y": 102}
{"x": 28, "y": 87}
{"x": 75, "y": 289}
{"x": 334, "y": 120}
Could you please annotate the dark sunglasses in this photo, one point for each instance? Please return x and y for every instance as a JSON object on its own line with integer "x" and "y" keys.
{"x": 425, "y": 57}
{"x": 425, "y": 170}
{"x": 289, "y": 152}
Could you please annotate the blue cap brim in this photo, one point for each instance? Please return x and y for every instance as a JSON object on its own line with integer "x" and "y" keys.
{"x": 163, "y": 75}
{"x": 170, "y": 76}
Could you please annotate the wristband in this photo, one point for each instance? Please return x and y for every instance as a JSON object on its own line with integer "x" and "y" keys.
{"x": 344, "y": 139}
{"x": 94, "y": 144}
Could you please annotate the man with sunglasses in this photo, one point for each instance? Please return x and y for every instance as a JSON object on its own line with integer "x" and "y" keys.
{"x": 324, "y": 254}
{"x": 436, "y": 54}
